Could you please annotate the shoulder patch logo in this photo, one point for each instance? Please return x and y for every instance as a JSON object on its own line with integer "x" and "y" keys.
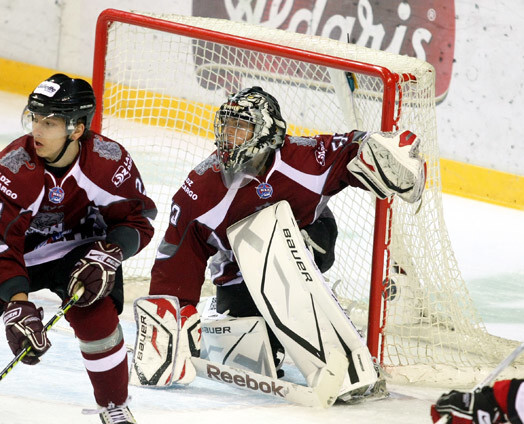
{"x": 303, "y": 141}
{"x": 107, "y": 149}
{"x": 210, "y": 162}
{"x": 15, "y": 159}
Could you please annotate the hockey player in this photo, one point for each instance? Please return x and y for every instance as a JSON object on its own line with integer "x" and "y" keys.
{"x": 504, "y": 402}
{"x": 72, "y": 208}
{"x": 257, "y": 165}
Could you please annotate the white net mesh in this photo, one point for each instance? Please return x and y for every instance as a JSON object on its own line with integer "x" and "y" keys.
{"x": 161, "y": 91}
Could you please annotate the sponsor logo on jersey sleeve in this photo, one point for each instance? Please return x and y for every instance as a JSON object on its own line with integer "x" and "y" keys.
{"x": 4, "y": 188}
{"x": 320, "y": 154}
{"x": 187, "y": 187}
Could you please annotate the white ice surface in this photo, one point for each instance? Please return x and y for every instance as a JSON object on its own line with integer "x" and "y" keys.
{"x": 488, "y": 242}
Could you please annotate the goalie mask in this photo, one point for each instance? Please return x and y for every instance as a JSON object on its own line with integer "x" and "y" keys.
{"x": 248, "y": 127}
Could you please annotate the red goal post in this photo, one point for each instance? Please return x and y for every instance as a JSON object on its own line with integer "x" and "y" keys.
{"x": 159, "y": 80}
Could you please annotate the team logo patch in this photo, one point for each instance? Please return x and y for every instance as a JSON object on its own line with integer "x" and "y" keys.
{"x": 56, "y": 195}
{"x": 264, "y": 190}
{"x": 210, "y": 162}
{"x": 15, "y": 159}
{"x": 107, "y": 149}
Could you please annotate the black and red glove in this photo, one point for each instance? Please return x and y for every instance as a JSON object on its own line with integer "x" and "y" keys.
{"x": 23, "y": 327}
{"x": 479, "y": 407}
{"x": 96, "y": 271}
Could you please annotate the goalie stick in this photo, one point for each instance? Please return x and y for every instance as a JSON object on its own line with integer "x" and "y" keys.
{"x": 489, "y": 379}
{"x": 320, "y": 395}
{"x": 59, "y": 314}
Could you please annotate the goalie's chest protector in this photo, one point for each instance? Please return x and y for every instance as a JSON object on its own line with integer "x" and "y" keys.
{"x": 300, "y": 174}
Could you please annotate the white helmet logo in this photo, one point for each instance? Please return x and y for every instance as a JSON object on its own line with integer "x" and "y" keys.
{"x": 47, "y": 88}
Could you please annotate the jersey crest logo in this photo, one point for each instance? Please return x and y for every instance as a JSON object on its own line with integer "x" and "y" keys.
{"x": 264, "y": 190}
{"x": 107, "y": 149}
{"x": 15, "y": 159}
{"x": 56, "y": 195}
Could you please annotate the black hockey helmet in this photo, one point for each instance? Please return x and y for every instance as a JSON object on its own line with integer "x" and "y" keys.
{"x": 70, "y": 98}
{"x": 261, "y": 109}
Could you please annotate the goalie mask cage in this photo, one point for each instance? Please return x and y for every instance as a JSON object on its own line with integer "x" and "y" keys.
{"x": 161, "y": 78}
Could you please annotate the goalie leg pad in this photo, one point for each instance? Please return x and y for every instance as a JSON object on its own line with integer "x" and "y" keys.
{"x": 293, "y": 298}
{"x": 390, "y": 163}
{"x": 238, "y": 342}
{"x": 167, "y": 337}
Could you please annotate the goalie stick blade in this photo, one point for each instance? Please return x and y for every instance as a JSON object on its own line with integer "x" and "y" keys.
{"x": 322, "y": 395}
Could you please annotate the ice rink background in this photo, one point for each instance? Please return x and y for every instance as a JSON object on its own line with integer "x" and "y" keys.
{"x": 488, "y": 242}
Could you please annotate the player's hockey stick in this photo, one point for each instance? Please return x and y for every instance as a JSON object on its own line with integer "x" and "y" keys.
{"x": 489, "y": 379}
{"x": 59, "y": 314}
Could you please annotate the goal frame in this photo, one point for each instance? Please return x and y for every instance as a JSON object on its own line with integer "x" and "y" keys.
{"x": 383, "y": 212}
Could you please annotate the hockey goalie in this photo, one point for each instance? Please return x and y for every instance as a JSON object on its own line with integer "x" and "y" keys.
{"x": 258, "y": 207}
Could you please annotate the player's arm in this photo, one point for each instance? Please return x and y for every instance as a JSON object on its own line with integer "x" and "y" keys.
{"x": 168, "y": 324}
{"x": 22, "y": 319}
{"x": 128, "y": 212}
{"x": 129, "y": 220}
{"x": 181, "y": 261}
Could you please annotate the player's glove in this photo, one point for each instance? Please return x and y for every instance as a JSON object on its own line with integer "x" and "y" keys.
{"x": 96, "y": 271}
{"x": 23, "y": 326}
{"x": 479, "y": 407}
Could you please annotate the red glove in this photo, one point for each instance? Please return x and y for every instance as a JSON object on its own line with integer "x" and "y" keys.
{"x": 23, "y": 326}
{"x": 96, "y": 271}
{"x": 479, "y": 407}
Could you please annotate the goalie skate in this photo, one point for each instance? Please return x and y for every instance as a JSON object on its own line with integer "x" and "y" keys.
{"x": 375, "y": 391}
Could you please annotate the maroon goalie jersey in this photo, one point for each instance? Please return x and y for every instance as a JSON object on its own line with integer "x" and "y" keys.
{"x": 306, "y": 171}
{"x": 43, "y": 217}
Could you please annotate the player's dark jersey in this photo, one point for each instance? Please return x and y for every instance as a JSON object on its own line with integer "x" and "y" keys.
{"x": 305, "y": 171}
{"x": 43, "y": 217}
{"x": 510, "y": 397}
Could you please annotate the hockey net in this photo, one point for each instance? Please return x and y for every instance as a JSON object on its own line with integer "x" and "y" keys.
{"x": 163, "y": 77}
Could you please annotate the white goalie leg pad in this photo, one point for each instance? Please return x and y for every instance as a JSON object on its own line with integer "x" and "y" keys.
{"x": 390, "y": 163}
{"x": 237, "y": 342}
{"x": 167, "y": 337}
{"x": 292, "y": 296}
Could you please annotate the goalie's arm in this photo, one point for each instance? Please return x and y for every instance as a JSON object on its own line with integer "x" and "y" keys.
{"x": 180, "y": 264}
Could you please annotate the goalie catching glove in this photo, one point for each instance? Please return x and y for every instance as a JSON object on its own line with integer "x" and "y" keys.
{"x": 390, "y": 163}
{"x": 96, "y": 271}
{"x": 479, "y": 407}
{"x": 23, "y": 326}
